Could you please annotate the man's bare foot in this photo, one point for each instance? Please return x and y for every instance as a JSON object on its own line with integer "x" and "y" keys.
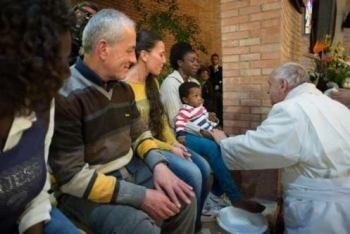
{"x": 248, "y": 205}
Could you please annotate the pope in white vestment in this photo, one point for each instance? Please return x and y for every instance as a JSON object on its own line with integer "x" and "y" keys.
{"x": 307, "y": 135}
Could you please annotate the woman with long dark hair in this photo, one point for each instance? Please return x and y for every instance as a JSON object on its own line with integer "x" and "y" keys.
{"x": 186, "y": 164}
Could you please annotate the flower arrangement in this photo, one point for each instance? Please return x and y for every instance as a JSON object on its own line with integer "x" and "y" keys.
{"x": 332, "y": 67}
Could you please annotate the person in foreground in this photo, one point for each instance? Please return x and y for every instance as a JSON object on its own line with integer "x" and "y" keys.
{"x": 307, "y": 135}
{"x": 110, "y": 173}
{"x": 31, "y": 75}
{"x": 186, "y": 164}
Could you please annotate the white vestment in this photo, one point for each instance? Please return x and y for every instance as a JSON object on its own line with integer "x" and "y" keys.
{"x": 308, "y": 136}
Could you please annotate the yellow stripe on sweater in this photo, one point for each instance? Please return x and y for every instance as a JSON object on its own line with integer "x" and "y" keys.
{"x": 145, "y": 146}
{"x": 103, "y": 189}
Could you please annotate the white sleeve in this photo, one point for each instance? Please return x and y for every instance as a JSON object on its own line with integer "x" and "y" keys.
{"x": 171, "y": 99}
{"x": 275, "y": 144}
{"x": 38, "y": 210}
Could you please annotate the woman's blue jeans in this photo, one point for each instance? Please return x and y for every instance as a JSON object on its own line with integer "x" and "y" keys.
{"x": 195, "y": 174}
{"x": 59, "y": 224}
{"x": 223, "y": 181}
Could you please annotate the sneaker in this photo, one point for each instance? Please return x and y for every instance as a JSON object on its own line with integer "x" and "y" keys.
{"x": 222, "y": 201}
{"x": 209, "y": 214}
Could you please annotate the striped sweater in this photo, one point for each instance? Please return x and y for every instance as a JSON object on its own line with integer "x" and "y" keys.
{"x": 197, "y": 115}
{"x": 97, "y": 129}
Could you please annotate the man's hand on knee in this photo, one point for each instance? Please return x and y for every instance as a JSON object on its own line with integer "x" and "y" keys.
{"x": 158, "y": 206}
{"x": 165, "y": 181}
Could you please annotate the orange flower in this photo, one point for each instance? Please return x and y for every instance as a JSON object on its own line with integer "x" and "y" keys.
{"x": 319, "y": 47}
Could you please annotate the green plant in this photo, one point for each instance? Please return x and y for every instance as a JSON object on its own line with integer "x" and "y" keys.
{"x": 167, "y": 69}
{"x": 182, "y": 26}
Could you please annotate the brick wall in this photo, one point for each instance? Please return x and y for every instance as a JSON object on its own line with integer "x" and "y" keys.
{"x": 206, "y": 13}
{"x": 292, "y": 31}
{"x": 256, "y": 37}
{"x": 250, "y": 35}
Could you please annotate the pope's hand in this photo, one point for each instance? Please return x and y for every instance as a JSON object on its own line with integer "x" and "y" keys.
{"x": 218, "y": 135}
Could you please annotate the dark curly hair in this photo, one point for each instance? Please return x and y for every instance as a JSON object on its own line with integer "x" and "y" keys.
{"x": 202, "y": 69}
{"x": 147, "y": 40}
{"x": 184, "y": 89}
{"x": 32, "y": 67}
{"x": 177, "y": 52}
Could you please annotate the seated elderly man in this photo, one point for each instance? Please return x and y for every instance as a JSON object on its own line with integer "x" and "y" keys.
{"x": 307, "y": 134}
{"x": 98, "y": 134}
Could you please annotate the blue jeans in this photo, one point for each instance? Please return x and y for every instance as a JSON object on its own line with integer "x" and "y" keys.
{"x": 59, "y": 224}
{"x": 223, "y": 181}
{"x": 195, "y": 174}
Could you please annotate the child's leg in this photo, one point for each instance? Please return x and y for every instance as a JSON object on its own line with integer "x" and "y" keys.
{"x": 212, "y": 152}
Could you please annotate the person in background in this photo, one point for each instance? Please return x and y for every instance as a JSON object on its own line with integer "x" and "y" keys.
{"x": 216, "y": 80}
{"x": 111, "y": 175}
{"x": 183, "y": 60}
{"x": 83, "y": 12}
{"x": 35, "y": 44}
{"x": 208, "y": 93}
{"x": 185, "y": 163}
{"x": 306, "y": 134}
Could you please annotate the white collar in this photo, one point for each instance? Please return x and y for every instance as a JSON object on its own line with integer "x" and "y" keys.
{"x": 175, "y": 74}
{"x": 21, "y": 123}
{"x": 303, "y": 88}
